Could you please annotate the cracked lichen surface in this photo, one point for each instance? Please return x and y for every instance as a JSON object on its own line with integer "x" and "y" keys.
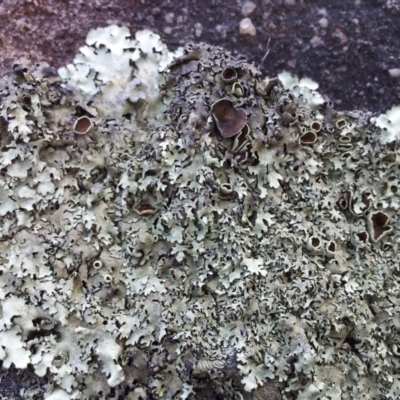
{"x": 144, "y": 255}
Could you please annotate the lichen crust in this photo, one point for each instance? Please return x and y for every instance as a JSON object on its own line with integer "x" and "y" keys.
{"x": 145, "y": 255}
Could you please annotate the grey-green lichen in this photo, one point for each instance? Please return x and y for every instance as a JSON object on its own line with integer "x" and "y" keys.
{"x": 145, "y": 256}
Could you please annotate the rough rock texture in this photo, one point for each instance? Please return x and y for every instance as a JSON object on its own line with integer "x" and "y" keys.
{"x": 347, "y": 46}
{"x": 146, "y": 256}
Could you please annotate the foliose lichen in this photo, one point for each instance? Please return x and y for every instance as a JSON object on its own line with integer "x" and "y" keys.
{"x": 145, "y": 254}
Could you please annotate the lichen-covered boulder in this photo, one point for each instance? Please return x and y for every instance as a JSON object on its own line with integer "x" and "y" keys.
{"x": 194, "y": 230}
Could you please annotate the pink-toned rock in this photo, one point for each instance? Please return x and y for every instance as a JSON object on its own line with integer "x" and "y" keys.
{"x": 246, "y": 27}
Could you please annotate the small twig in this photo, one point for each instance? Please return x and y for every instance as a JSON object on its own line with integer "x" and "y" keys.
{"x": 266, "y": 54}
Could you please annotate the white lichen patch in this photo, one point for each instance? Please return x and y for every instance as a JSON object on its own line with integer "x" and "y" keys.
{"x": 390, "y": 125}
{"x": 144, "y": 255}
{"x": 122, "y": 71}
{"x": 305, "y": 87}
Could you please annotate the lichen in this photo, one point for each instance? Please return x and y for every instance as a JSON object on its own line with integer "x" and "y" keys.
{"x": 145, "y": 255}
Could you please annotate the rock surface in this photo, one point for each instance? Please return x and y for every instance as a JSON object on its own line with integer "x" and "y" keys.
{"x": 200, "y": 233}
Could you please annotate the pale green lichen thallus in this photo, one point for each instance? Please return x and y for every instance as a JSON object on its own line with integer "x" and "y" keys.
{"x": 176, "y": 226}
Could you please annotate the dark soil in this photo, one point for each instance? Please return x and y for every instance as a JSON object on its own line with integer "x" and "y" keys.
{"x": 347, "y": 46}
